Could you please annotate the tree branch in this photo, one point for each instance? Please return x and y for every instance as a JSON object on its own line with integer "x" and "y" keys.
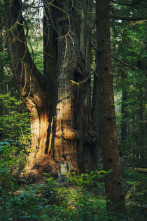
{"x": 119, "y": 17}
{"x": 126, "y": 64}
{"x": 145, "y": 6}
{"x": 27, "y": 76}
{"x": 122, "y": 3}
{"x": 137, "y": 2}
{"x": 134, "y": 2}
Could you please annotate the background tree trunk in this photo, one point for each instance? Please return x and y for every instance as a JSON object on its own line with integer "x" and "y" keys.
{"x": 96, "y": 116}
{"x": 85, "y": 49}
{"x": 113, "y": 183}
{"x": 2, "y": 85}
{"x": 123, "y": 110}
{"x": 124, "y": 114}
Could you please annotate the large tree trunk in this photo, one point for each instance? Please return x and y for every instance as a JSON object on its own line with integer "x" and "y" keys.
{"x": 89, "y": 153}
{"x": 57, "y": 106}
{"x": 73, "y": 98}
{"x": 35, "y": 89}
{"x": 113, "y": 183}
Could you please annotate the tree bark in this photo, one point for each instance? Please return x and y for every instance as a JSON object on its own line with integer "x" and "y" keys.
{"x": 96, "y": 116}
{"x": 2, "y": 86}
{"x": 85, "y": 49}
{"x": 72, "y": 109}
{"x": 35, "y": 89}
{"x": 57, "y": 106}
{"x": 109, "y": 143}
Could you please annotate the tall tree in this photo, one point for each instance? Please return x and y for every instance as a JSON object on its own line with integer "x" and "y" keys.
{"x": 57, "y": 101}
{"x": 109, "y": 143}
{"x": 1, "y": 64}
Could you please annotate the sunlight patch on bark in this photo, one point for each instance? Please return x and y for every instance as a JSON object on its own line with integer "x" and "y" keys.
{"x": 43, "y": 131}
{"x": 70, "y": 134}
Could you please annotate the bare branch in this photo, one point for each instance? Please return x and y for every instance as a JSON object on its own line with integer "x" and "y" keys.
{"x": 126, "y": 64}
{"x": 81, "y": 82}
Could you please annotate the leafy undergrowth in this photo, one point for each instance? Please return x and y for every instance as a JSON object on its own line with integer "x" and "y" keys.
{"x": 83, "y": 200}
{"x": 49, "y": 201}
{"x": 136, "y": 194}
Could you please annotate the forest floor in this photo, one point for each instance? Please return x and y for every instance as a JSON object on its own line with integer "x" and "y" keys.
{"x": 84, "y": 200}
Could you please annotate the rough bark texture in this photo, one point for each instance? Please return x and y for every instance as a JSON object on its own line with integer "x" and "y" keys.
{"x": 113, "y": 183}
{"x": 72, "y": 114}
{"x": 96, "y": 116}
{"x": 35, "y": 89}
{"x": 85, "y": 49}
{"x": 58, "y": 107}
{"x": 50, "y": 63}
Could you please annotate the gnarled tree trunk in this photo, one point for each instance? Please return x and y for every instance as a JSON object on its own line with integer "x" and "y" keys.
{"x": 72, "y": 97}
{"x": 57, "y": 105}
{"x": 36, "y": 90}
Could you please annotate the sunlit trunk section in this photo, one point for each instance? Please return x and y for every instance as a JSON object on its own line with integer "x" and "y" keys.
{"x": 67, "y": 134}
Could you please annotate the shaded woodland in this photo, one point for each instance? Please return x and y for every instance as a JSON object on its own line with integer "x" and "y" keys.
{"x": 73, "y": 81}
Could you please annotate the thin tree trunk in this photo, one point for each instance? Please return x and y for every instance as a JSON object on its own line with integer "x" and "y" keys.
{"x": 1, "y": 72}
{"x": 1, "y": 65}
{"x": 95, "y": 115}
{"x": 113, "y": 183}
{"x": 141, "y": 150}
{"x": 124, "y": 114}
{"x": 123, "y": 110}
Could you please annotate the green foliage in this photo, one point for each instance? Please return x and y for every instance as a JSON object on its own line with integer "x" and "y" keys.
{"x": 14, "y": 121}
{"x": 91, "y": 182}
{"x": 49, "y": 201}
{"x": 136, "y": 183}
{"x": 128, "y": 49}
{"x": 13, "y": 155}
{"x": 14, "y": 142}
{"x": 33, "y": 17}
{"x": 136, "y": 194}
